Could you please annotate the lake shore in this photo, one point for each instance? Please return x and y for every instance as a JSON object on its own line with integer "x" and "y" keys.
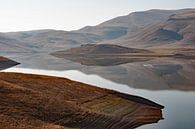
{"x": 51, "y": 102}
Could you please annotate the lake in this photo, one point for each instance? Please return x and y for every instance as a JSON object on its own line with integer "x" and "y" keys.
{"x": 179, "y": 104}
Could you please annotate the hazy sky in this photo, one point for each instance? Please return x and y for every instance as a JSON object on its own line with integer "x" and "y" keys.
{"x": 19, "y": 15}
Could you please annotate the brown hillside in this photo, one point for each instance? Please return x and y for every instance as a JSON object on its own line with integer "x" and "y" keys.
{"x": 43, "y": 102}
{"x": 103, "y": 54}
{"x": 101, "y": 49}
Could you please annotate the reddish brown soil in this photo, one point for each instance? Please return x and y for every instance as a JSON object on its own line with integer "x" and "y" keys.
{"x": 43, "y": 102}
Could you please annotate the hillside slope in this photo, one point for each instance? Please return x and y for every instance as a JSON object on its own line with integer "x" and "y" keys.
{"x": 175, "y": 32}
{"x": 103, "y": 54}
{"x": 53, "y": 40}
{"x": 147, "y": 29}
{"x": 101, "y": 49}
{"x": 32, "y": 101}
{"x": 131, "y": 23}
{"x": 12, "y": 45}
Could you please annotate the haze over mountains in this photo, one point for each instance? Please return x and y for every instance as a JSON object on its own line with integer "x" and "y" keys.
{"x": 153, "y": 28}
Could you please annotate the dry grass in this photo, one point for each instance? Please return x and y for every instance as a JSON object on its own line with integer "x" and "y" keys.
{"x": 43, "y": 102}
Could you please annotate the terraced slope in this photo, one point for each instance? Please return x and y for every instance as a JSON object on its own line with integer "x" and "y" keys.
{"x": 43, "y": 102}
{"x": 6, "y": 63}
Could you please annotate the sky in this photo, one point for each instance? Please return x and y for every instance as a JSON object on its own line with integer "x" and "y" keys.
{"x": 23, "y": 15}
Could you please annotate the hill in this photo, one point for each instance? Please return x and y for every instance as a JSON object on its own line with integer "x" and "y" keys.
{"x": 101, "y": 49}
{"x": 52, "y": 40}
{"x": 131, "y": 23}
{"x": 12, "y": 45}
{"x": 34, "y": 101}
{"x": 153, "y": 29}
{"x": 175, "y": 32}
{"x": 103, "y": 54}
{"x": 112, "y": 30}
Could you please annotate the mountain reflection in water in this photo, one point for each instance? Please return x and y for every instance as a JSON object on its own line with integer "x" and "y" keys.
{"x": 169, "y": 82}
{"x": 156, "y": 74}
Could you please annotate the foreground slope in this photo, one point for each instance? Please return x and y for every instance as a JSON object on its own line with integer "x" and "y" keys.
{"x": 34, "y": 101}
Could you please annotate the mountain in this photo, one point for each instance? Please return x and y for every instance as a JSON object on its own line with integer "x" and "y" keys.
{"x": 117, "y": 31}
{"x": 131, "y": 23}
{"x": 147, "y": 29}
{"x": 51, "y": 40}
{"x": 177, "y": 31}
{"x": 12, "y": 45}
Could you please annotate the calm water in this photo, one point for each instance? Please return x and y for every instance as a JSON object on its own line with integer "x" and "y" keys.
{"x": 179, "y": 104}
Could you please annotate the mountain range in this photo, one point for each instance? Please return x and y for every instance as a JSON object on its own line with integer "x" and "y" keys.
{"x": 147, "y": 29}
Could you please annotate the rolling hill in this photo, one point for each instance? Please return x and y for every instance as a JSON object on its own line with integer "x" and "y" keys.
{"x": 12, "y": 45}
{"x": 51, "y": 40}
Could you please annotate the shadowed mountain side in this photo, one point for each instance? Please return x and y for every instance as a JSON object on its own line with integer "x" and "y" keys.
{"x": 6, "y": 63}
{"x": 131, "y": 23}
{"x": 32, "y": 101}
{"x": 175, "y": 32}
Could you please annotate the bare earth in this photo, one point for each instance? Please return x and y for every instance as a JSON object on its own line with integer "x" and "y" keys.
{"x": 32, "y": 101}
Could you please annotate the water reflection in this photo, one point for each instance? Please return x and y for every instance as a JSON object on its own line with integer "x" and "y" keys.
{"x": 156, "y": 74}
